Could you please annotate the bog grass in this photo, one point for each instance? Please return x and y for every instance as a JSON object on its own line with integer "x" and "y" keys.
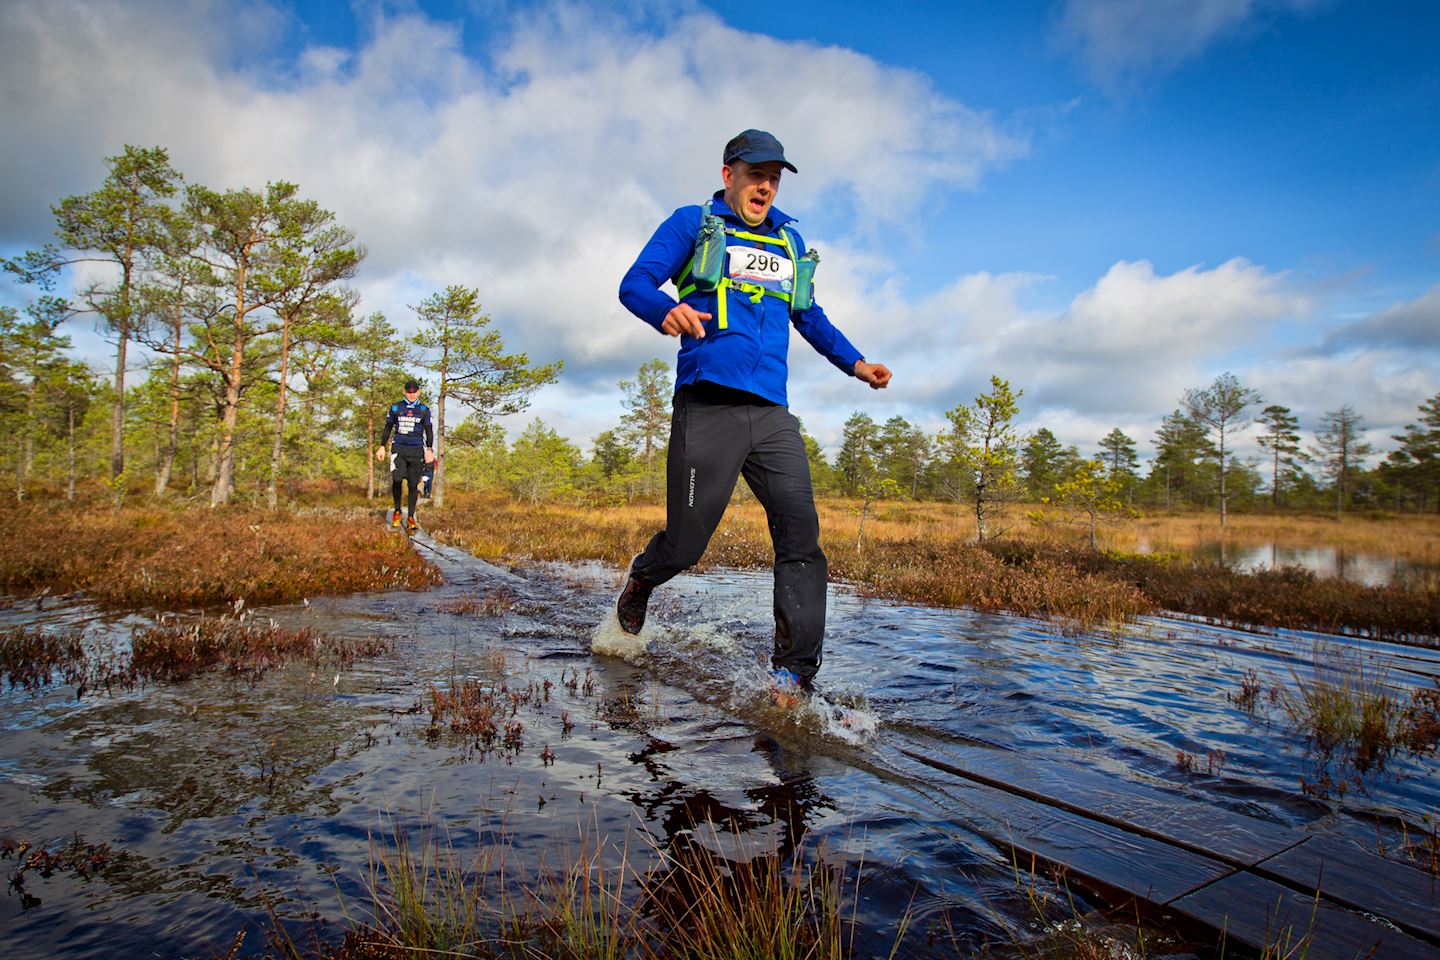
{"x": 148, "y": 557}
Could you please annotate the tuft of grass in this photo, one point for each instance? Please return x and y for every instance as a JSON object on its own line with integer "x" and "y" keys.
{"x": 1348, "y": 711}
{"x": 767, "y": 907}
{"x": 491, "y": 603}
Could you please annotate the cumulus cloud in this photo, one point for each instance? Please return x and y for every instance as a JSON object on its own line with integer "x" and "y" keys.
{"x": 534, "y": 174}
{"x": 1121, "y": 40}
{"x": 1135, "y": 340}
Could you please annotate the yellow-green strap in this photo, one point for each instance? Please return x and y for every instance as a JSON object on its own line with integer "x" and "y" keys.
{"x": 739, "y": 234}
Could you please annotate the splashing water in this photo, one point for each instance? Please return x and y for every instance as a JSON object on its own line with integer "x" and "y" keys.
{"x": 608, "y": 640}
{"x": 727, "y": 675}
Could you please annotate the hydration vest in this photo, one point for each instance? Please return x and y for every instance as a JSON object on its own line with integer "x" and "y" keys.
{"x": 705, "y": 272}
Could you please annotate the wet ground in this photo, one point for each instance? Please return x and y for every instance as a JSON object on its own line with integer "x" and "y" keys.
{"x": 222, "y": 801}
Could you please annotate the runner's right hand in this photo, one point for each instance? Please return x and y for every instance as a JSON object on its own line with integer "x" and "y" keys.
{"x": 684, "y": 318}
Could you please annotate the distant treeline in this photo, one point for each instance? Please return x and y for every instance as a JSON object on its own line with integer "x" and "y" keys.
{"x": 261, "y": 373}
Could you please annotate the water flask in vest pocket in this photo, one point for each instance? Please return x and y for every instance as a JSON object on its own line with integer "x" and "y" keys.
{"x": 804, "y": 294}
{"x": 708, "y": 266}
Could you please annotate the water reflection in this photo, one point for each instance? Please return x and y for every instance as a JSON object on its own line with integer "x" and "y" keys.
{"x": 1326, "y": 562}
{"x": 228, "y": 796}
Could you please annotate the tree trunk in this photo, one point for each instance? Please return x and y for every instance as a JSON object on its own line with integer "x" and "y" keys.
{"x": 272, "y": 495}
{"x": 117, "y": 419}
{"x": 27, "y": 448}
{"x": 438, "y": 480}
{"x": 167, "y": 461}
{"x": 370, "y": 437}
{"x": 1222, "y": 477}
{"x": 979, "y": 513}
{"x": 225, "y": 465}
{"x": 370, "y": 454}
{"x": 70, "y": 436}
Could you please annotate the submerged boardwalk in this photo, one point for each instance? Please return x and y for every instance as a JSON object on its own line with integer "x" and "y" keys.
{"x": 1212, "y": 871}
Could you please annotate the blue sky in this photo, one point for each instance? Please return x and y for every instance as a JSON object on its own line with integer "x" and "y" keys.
{"x": 1105, "y": 201}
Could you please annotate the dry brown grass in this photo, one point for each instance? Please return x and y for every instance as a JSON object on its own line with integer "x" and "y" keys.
{"x": 926, "y": 552}
{"x": 153, "y": 557}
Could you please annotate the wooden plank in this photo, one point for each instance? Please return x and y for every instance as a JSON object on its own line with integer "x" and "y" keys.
{"x": 1357, "y": 878}
{"x": 1116, "y": 863}
{"x": 1102, "y": 858}
{"x": 1198, "y": 827}
{"x": 1258, "y": 913}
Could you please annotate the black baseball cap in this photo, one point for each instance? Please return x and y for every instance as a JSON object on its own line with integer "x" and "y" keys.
{"x": 412, "y": 384}
{"x": 756, "y": 146}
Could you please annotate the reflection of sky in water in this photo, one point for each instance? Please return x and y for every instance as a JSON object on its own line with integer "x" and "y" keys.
{"x": 1324, "y": 561}
{"x": 223, "y": 792}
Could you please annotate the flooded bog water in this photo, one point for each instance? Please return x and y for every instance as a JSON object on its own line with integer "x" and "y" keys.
{"x": 222, "y": 802}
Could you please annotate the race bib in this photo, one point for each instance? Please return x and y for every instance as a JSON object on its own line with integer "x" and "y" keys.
{"x": 770, "y": 268}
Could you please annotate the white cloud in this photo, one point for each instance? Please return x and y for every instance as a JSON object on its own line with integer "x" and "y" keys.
{"x": 1410, "y": 325}
{"x": 1120, "y": 40}
{"x": 535, "y": 176}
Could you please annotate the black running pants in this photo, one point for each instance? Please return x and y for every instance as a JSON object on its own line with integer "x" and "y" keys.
{"x": 406, "y": 464}
{"x": 713, "y": 441}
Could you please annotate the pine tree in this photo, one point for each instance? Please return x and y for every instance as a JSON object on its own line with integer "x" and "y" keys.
{"x": 983, "y": 446}
{"x": 470, "y": 364}
{"x": 1042, "y": 464}
{"x": 1341, "y": 449}
{"x": 904, "y": 451}
{"x": 1121, "y": 462}
{"x": 1222, "y": 407}
{"x": 1182, "y": 447}
{"x": 646, "y": 421}
{"x": 122, "y": 225}
{"x": 1282, "y": 439}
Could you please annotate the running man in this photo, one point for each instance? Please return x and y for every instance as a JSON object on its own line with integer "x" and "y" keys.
{"x": 409, "y": 421}
{"x": 742, "y": 280}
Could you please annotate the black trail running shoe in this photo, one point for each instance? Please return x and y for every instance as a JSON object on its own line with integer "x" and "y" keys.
{"x": 630, "y": 608}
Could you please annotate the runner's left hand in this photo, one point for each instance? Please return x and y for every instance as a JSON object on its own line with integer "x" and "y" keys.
{"x": 875, "y": 374}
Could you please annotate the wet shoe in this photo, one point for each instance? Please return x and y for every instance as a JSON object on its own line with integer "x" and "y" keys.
{"x": 630, "y": 608}
{"x": 411, "y": 525}
{"x": 786, "y": 688}
{"x": 395, "y": 520}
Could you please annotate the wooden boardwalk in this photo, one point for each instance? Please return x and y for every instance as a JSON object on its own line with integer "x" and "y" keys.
{"x": 1210, "y": 870}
